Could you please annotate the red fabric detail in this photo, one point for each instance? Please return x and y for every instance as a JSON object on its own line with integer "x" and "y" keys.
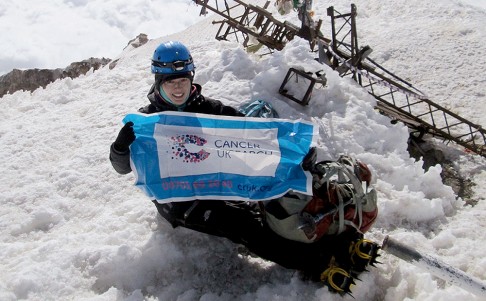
{"x": 325, "y": 200}
{"x": 363, "y": 173}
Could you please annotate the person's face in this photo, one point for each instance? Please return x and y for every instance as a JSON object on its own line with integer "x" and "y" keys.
{"x": 177, "y": 90}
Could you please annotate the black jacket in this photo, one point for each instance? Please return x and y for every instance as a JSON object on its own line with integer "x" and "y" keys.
{"x": 196, "y": 103}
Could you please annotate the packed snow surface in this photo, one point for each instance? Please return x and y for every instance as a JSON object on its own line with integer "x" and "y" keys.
{"x": 73, "y": 229}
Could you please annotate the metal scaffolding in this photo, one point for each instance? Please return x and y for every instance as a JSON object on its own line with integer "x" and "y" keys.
{"x": 255, "y": 27}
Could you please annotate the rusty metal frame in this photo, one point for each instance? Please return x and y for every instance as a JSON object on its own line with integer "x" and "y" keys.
{"x": 395, "y": 97}
{"x": 295, "y": 73}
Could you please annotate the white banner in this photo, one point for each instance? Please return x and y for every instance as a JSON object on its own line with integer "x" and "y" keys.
{"x": 246, "y": 152}
{"x": 180, "y": 156}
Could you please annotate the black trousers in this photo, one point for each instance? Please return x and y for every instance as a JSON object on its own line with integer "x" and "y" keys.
{"x": 242, "y": 224}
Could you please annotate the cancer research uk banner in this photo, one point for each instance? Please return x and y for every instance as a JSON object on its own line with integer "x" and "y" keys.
{"x": 180, "y": 156}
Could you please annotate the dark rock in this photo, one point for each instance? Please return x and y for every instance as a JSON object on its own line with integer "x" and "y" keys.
{"x": 32, "y": 79}
{"x": 140, "y": 40}
{"x": 431, "y": 156}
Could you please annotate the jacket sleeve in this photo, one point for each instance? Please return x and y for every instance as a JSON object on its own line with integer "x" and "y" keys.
{"x": 219, "y": 108}
{"x": 230, "y": 111}
{"x": 120, "y": 160}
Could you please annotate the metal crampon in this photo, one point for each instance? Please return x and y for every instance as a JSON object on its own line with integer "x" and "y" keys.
{"x": 363, "y": 253}
{"x": 339, "y": 277}
{"x": 337, "y": 280}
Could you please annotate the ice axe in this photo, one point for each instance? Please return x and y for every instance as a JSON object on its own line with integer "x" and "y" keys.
{"x": 435, "y": 267}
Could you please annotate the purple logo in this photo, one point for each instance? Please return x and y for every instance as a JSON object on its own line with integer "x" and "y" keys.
{"x": 180, "y": 151}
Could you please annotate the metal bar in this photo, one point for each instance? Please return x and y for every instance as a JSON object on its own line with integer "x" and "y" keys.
{"x": 435, "y": 267}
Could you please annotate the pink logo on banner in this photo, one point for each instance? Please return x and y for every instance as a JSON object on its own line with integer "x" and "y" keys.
{"x": 180, "y": 151}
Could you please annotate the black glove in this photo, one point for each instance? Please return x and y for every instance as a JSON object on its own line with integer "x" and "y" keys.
{"x": 125, "y": 137}
{"x": 310, "y": 159}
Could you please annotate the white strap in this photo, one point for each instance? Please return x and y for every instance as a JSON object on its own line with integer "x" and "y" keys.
{"x": 345, "y": 174}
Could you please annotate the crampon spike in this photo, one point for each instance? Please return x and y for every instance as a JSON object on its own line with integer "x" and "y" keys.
{"x": 337, "y": 280}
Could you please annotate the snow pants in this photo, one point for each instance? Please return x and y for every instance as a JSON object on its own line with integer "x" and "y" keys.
{"x": 243, "y": 224}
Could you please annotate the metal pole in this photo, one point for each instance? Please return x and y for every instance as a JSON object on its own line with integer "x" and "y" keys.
{"x": 435, "y": 267}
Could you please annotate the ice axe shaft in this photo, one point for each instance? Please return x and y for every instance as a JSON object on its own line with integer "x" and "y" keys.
{"x": 435, "y": 267}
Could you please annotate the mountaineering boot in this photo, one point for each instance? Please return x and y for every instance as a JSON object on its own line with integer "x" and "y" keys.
{"x": 337, "y": 279}
{"x": 363, "y": 252}
{"x": 350, "y": 258}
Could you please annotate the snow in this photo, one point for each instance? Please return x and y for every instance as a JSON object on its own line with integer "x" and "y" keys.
{"x": 73, "y": 229}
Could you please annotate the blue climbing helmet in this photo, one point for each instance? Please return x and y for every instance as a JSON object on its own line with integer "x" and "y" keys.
{"x": 172, "y": 59}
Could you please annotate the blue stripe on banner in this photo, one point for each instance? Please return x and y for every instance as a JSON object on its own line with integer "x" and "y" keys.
{"x": 180, "y": 156}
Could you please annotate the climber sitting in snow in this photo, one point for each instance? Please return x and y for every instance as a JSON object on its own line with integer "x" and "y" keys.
{"x": 320, "y": 235}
